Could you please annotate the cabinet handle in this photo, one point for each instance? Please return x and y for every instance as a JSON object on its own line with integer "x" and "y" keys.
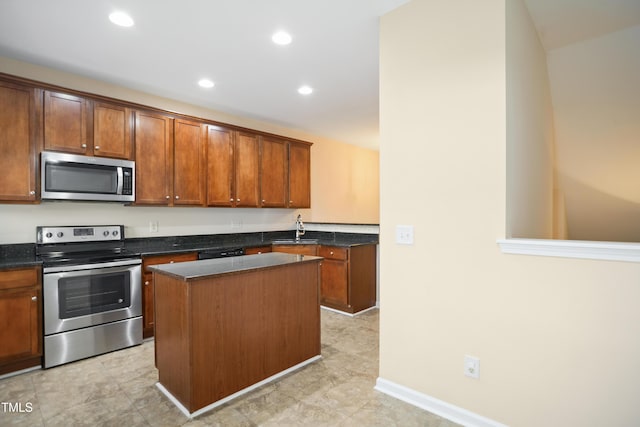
{"x": 171, "y": 262}
{"x": 84, "y": 145}
{"x": 32, "y": 192}
{"x": 97, "y": 147}
{"x": 290, "y": 202}
{"x": 263, "y": 201}
{"x": 146, "y": 283}
{"x": 331, "y": 252}
{"x": 237, "y": 200}
{"x": 167, "y": 197}
{"x": 231, "y": 199}
{"x": 177, "y": 197}
{"x": 34, "y": 298}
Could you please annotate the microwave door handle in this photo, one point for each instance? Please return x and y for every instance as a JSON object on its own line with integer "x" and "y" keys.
{"x": 120, "y": 180}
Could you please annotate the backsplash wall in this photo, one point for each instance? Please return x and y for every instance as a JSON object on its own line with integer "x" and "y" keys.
{"x": 18, "y": 222}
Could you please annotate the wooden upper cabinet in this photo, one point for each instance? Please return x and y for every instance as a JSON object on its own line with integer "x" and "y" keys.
{"x": 18, "y": 142}
{"x": 65, "y": 123}
{"x": 154, "y": 158}
{"x": 273, "y": 172}
{"x": 111, "y": 131}
{"x": 246, "y": 159}
{"x": 220, "y": 173}
{"x": 189, "y": 170}
{"x": 299, "y": 175}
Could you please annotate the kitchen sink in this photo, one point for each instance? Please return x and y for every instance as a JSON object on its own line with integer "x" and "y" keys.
{"x": 294, "y": 242}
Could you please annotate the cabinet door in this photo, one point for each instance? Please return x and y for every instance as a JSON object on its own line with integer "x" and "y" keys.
{"x": 335, "y": 280}
{"x": 154, "y": 158}
{"x": 246, "y": 153}
{"x": 20, "y": 320}
{"x": 65, "y": 123}
{"x": 111, "y": 131}
{"x": 273, "y": 172}
{"x": 18, "y": 123}
{"x": 189, "y": 163}
{"x": 219, "y": 166}
{"x": 299, "y": 175}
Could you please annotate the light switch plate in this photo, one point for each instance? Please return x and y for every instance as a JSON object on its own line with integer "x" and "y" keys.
{"x": 404, "y": 234}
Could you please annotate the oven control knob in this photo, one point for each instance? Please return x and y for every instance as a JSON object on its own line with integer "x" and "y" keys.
{"x": 60, "y": 234}
{"x": 115, "y": 232}
{"x": 49, "y": 235}
{"x": 105, "y": 233}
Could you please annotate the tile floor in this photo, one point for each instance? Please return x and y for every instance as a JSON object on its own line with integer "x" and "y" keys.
{"x": 117, "y": 389}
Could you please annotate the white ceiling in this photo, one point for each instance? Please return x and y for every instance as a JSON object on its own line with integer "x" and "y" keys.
{"x": 174, "y": 44}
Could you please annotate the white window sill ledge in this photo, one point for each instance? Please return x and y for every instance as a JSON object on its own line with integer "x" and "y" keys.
{"x": 610, "y": 251}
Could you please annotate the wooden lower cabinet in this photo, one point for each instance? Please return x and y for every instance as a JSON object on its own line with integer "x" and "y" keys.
{"x": 20, "y": 319}
{"x": 348, "y": 274}
{"x": 348, "y": 277}
{"x": 148, "y": 311}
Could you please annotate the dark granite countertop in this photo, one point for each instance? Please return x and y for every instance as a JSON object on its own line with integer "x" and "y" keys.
{"x": 221, "y": 266}
{"x": 23, "y": 254}
{"x": 178, "y": 244}
{"x": 18, "y": 256}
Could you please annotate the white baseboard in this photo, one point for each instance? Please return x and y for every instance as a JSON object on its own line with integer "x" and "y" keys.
{"x": 435, "y": 406}
{"x": 349, "y": 314}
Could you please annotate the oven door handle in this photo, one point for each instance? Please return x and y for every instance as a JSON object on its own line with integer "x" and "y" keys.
{"x": 119, "y": 263}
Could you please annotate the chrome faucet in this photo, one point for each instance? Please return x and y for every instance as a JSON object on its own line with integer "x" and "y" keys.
{"x": 299, "y": 228}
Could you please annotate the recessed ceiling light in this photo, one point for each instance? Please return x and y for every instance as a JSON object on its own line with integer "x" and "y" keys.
{"x": 282, "y": 38}
{"x": 121, "y": 19}
{"x": 206, "y": 83}
{"x": 305, "y": 90}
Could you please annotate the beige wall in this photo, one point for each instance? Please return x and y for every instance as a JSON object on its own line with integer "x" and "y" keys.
{"x": 596, "y": 95}
{"x": 344, "y": 180}
{"x": 557, "y": 338}
{"x": 530, "y": 134}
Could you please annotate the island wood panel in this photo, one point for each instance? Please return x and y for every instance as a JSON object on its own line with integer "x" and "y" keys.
{"x": 172, "y": 337}
{"x": 219, "y": 335}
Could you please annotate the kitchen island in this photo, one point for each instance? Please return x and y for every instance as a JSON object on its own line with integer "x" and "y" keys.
{"x": 226, "y": 326}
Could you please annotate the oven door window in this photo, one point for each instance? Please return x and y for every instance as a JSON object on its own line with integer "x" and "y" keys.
{"x": 90, "y": 294}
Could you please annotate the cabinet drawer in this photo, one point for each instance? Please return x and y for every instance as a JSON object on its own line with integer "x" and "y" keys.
{"x": 167, "y": 259}
{"x": 296, "y": 249}
{"x": 257, "y": 250}
{"x": 334, "y": 252}
{"x": 20, "y": 278}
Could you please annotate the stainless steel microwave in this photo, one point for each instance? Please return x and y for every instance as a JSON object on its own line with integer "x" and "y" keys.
{"x": 73, "y": 177}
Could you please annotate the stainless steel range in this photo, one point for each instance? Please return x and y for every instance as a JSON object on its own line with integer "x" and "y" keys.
{"x": 91, "y": 292}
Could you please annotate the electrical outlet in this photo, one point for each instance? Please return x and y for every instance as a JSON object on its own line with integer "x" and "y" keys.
{"x": 472, "y": 366}
{"x": 153, "y": 226}
{"x": 404, "y": 234}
